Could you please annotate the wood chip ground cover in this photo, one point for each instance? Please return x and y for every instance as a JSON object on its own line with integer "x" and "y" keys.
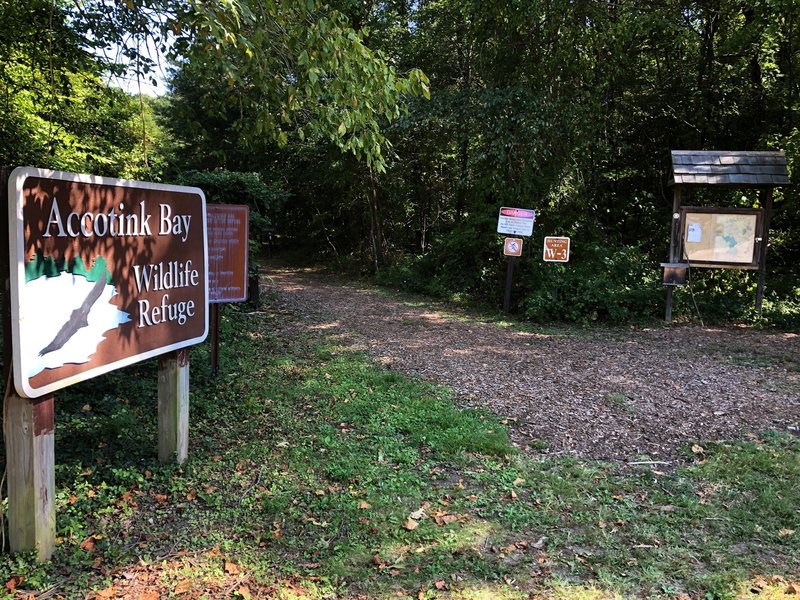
{"x": 624, "y": 393}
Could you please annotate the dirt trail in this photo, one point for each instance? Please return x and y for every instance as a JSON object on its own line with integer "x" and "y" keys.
{"x": 624, "y": 393}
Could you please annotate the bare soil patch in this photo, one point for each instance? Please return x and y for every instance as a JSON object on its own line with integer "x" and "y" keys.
{"x": 603, "y": 393}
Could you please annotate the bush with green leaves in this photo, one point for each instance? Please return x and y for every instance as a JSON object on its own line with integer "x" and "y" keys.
{"x": 232, "y": 187}
{"x": 599, "y": 283}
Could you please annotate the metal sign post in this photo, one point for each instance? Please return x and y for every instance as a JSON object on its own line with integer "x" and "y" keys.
{"x": 517, "y": 222}
{"x": 512, "y": 247}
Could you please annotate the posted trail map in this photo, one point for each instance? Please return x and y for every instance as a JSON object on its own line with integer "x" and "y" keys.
{"x": 720, "y": 237}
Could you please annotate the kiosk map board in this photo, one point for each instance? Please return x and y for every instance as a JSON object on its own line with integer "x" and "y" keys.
{"x": 721, "y": 237}
{"x": 104, "y": 273}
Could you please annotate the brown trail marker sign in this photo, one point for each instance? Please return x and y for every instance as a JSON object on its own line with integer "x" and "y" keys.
{"x": 103, "y": 273}
{"x": 228, "y": 234}
{"x": 556, "y": 249}
{"x": 512, "y": 246}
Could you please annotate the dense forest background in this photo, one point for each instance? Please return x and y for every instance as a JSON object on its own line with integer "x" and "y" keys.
{"x": 384, "y": 136}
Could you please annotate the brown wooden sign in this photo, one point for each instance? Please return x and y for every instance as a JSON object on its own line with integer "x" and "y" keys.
{"x": 556, "y": 249}
{"x": 227, "y": 252}
{"x": 104, "y": 273}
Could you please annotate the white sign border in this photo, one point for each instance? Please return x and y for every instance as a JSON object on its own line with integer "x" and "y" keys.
{"x": 16, "y": 236}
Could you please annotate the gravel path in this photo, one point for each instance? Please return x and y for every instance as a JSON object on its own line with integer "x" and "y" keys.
{"x": 625, "y": 393}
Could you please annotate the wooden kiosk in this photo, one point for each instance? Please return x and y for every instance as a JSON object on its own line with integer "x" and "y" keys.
{"x": 728, "y": 238}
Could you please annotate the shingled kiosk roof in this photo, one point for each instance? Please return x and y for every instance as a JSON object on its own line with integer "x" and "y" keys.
{"x": 733, "y": 169}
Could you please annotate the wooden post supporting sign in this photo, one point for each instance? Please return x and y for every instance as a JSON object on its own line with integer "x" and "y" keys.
{"x": 28, "y": 429}
{"x": 766, "y": 199}
{"x": 173, "y": 406}
{"x": 28, "y": 432}
{"x": 512, "y": 247}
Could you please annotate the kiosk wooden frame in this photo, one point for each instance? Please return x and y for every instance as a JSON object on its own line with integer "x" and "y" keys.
{"x": 762, "y": 170}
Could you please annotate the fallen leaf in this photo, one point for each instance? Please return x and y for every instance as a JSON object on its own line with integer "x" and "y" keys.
{"x": 417, "y": 515}
{"x": 411, "y": 524}
{"x": 232, "y": 568}
{"x": 786, "y": 532}
{"x": 244, "y": 592}
{"x": 183, "y": 587}
{"x": 519, "y": 481}
{"x": 445, "y": 519}
{"x": 127, "y": 499}
{"x": 88, "y": 544}
{"x": 513, "y": 495}
{"x": 86, "y": 407}
{"x": 440, "y": 585}
{"x": 793, "y": 589}
{"x": 319, "y": 492}
{"x": 12, "y": 583}
{"x": 109, "y": 592}
{"x": 697, "y": 449}
{"x": 364, "y": 505}
{"x": 149, "y": 595}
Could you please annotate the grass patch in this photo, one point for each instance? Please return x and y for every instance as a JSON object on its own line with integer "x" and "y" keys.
{"x": 313, "y": 473}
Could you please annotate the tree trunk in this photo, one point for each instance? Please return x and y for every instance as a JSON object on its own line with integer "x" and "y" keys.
{"x": 376, "y": 226}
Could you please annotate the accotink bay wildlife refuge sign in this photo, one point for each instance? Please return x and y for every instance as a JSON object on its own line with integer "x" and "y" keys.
{"x": 104, "y": 273}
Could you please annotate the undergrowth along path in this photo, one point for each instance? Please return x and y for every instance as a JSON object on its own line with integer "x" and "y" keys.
{"x": 623, "y": 393}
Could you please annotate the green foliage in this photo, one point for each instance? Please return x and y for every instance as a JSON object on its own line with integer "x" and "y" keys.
{"x": 286, "y": 68}
{"x": 617, "y": 285}
{"x": 229, "y": 187}
{"x": 56, "y": 110}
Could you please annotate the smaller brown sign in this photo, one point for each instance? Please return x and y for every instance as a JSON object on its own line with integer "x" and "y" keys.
{"x": 227, "y": 252}
{"x": 556, "y": 249}
{"x": 512, "y": 247}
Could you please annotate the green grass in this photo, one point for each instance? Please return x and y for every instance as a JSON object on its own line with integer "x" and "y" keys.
{"x": 308, "y": 461}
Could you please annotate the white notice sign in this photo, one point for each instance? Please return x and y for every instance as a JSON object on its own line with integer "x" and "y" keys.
{"x": 515, "y": 221}
{"x": 694, "y": 235}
